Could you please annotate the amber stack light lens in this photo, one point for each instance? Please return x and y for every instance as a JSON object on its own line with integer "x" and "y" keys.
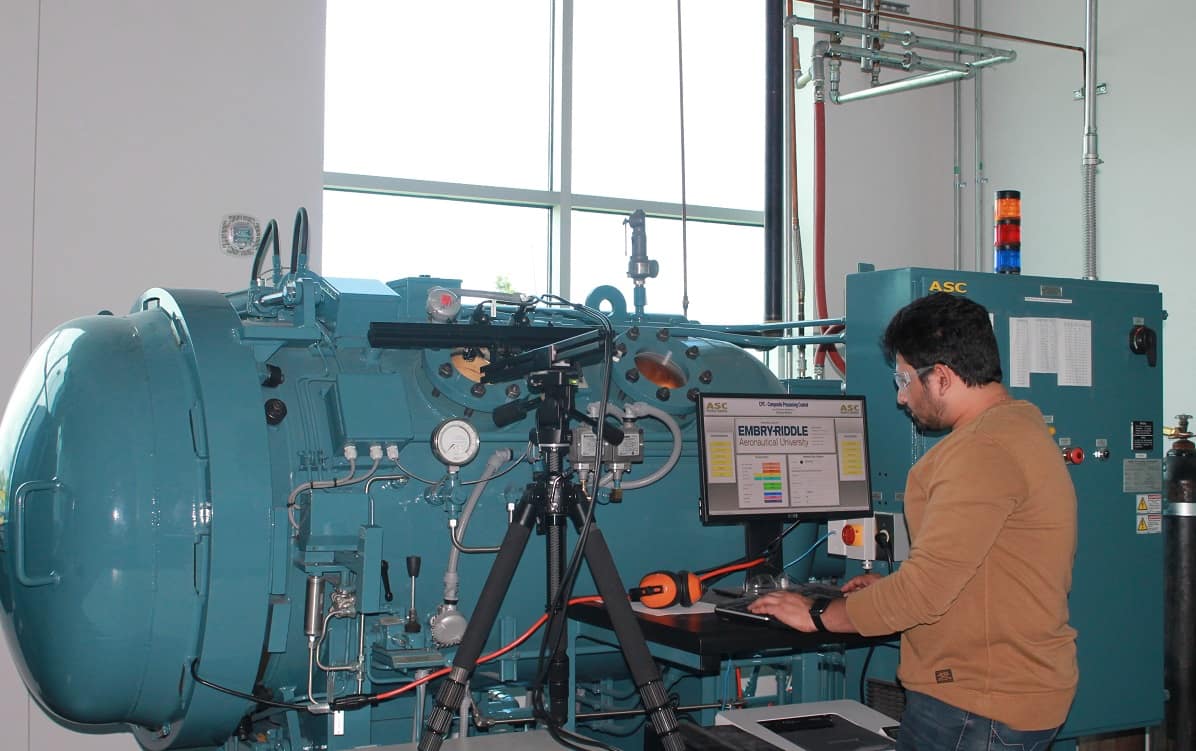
{"x": 1007, "y": 232}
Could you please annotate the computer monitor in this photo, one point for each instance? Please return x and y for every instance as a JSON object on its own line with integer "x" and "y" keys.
{"x": 772, "y": 456}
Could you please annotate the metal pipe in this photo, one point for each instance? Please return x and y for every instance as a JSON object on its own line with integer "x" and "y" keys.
{"x": 461, "y": 546}
{"x": 774, "y": 150}
{"x": 871, "y": 23}
{"x": 979, "y": 180}
{"x": 931, "y": 23}
{"x": 1091, "y": 153}
{"x": 985, "y": 62}
{"x": 830, "y": 27}
{"x": 899, "y": 59}
{"x": 831, "y": 81}
{"x": 956, "y": 152}
{"x": 905, "y": 84}
{"x": 942, "y": 45}
{"x": 904, "y": 38}
{"x": 417, "y": 712}
{"x": 905, "y": 60}
{"x": 921, "y": 62}
{"x": 771, "y": 325}
{"x": 795, "y": 274}
{"x": 360, "y": 652}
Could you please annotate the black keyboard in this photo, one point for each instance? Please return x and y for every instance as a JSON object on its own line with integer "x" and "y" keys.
{"x": 737, "y": 608}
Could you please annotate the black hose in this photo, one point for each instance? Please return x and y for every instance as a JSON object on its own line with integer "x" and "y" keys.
{"x": 268, "y": 237}
{"x": 299, "y": 239}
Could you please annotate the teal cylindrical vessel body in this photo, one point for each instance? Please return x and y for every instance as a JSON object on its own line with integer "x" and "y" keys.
{"x": 171, "y": 479}
{"x": 109, "y": 519}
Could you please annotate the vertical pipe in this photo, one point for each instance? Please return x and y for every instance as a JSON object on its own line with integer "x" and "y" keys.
{"x": 564, "y": 213}
{"x": 774, "y": 144}
{"x": 1091, "y": 154}
{"x": 795, "y": 282}
{"x": 979, "y": 181}
{"x": 957, "y": 170}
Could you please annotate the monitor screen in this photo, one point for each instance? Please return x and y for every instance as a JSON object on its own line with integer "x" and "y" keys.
{"x": 783, "y": 455}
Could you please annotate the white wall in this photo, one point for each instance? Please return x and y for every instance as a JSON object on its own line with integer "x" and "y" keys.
{"x": 889, "y": 174}
{"x": 1034, "y": 130}
{"x": 129, "y": 130}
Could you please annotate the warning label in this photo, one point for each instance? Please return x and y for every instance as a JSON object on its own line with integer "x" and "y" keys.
{"x": 1150, "y": 524}
{"x": 1149, "y": 503}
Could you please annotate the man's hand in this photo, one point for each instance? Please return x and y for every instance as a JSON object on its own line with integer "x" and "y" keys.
{"x": 857, "y": 583}
{"x": 789, "y": 608}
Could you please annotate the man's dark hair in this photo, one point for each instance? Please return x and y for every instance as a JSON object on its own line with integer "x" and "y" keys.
{"x": 948, "y": 329}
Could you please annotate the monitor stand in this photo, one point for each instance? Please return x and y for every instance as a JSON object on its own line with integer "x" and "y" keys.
{"x": 757, "y": 535}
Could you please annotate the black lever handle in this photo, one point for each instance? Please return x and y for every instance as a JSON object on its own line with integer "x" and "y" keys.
{"x": 1144, "y": 341}
{"x": 386, "y": 580}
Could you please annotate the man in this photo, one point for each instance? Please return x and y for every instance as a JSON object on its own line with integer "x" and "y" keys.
{"x": 987, "y": 656}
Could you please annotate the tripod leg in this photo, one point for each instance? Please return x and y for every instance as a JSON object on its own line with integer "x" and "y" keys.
{"x": 631, "y": 640}
{"x": 448, "y": 699}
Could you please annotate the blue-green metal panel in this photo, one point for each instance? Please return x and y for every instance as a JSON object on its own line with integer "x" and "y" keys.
{"x": 1116, "y": 598}
{"x": 233, "y": 512}
{"x": 107, "y": 596}
{"x": 351, "y": 304}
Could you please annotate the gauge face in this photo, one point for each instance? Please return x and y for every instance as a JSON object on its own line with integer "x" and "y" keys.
{"x": 455, "y": 442}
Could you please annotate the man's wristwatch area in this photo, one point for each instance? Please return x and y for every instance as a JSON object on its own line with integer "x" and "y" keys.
{"x": 817, "y": 608}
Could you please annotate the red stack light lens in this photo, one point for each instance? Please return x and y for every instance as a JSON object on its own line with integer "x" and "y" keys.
{"x": 1007, "y": 232}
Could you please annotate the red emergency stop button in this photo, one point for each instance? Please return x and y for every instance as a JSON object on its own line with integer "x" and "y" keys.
{"x": 851, "y": 534}
{"x": 1073, "y": 455}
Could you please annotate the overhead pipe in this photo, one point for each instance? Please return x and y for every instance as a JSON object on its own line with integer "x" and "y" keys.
{"x": 946, "y": 72}
{"x": 836, "y": 5}
{"x": 903, "y": 60}
{"x": 922, "y": 80}
{"x": 904, "y": 38}
{"x": 1091, "y": 153}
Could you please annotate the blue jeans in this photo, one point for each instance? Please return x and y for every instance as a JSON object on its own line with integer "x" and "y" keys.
{"x": 931, "y": 725}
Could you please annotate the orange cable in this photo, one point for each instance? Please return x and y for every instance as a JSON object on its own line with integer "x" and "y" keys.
{"x": 487, "y": 658}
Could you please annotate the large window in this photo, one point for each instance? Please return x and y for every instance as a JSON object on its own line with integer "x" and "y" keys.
{"x": 505, "y": 143}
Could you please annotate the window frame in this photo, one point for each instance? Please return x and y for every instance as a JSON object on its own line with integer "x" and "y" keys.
{"x": 559, "y": 199}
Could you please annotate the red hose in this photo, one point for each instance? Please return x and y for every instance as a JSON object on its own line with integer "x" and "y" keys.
{"x": 824, "y": 350}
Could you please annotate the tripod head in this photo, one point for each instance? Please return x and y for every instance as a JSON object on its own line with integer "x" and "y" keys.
{"x": 553, "y": 375}
{"x": 554, "y": 391}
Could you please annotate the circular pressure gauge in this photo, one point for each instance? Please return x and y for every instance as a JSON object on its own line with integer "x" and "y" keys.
{"x": 455, "y": 442}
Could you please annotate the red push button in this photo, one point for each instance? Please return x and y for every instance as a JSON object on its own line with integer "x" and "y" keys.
{"x": 851, "y": 534}
{"x": 1074, "y": 455}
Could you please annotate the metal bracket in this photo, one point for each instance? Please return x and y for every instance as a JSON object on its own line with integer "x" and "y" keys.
{"x": 1101, "y": 88}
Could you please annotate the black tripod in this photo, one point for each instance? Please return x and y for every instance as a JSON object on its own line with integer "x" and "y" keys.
{"x": 547, "y": 502}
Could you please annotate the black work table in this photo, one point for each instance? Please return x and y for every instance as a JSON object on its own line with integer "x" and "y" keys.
{"x": 711, "y": 638}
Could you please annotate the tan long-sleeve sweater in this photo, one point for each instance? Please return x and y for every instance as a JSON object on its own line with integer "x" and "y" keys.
{"x": 982, "y": 599}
